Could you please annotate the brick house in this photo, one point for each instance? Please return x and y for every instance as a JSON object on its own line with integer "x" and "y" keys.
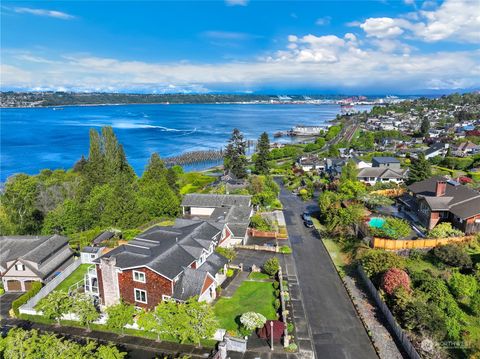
{"x": 27, "y": 259}
{"x": 439, "y": 199}
{"x": 176, "y": 262}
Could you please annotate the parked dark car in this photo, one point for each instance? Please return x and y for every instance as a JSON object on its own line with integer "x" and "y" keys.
{"x": 306, "y": 216}
{"x": 308, "y": 222}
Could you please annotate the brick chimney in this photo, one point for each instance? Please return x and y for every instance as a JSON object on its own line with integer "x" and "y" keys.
{"x": 440, "y": 188}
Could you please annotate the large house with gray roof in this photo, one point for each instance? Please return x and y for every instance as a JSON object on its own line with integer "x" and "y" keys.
{"x": 177, "y": 262}
{"x": 27, "y": 259}
{"x": 439, "y": 199}
{"x": 231, "y": 213}
{"x": 384, "y": 169}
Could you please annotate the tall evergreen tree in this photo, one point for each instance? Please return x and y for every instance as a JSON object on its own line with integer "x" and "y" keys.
{"x": 156, "y": 197}
{"x": 420, "y": 169}
{"x": 425, "y": 126}
{"x": 235, "y": 160}
{"x": 263, "y": 155}
{"x": 94, "y": 168}
{"x": 155, "y": 169}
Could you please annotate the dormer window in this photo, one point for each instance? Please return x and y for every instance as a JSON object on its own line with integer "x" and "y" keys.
{"x": 20, "y": 267}
{"x": 139, "y": 276}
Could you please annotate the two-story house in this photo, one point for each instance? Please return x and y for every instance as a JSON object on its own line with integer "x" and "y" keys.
{"x": 176, "y": 262}
{"x": 26, "y": 259}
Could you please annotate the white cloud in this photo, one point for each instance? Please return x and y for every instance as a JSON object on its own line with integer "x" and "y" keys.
{"x": 323, "y": 21}
{"x": 454, "y": 20}
{"x": 236, "y": 2}
{"x": 44, "y": 12}
{"x": 318, "y": 61}
{"x": 382, "y": 27}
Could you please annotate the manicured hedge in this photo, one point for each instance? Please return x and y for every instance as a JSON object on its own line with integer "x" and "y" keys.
{"x": 36, "y": 286}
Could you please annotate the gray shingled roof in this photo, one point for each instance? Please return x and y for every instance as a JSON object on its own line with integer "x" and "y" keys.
{"x": 434, "y": 148}
{"x": 464, "y": 202}
{"x": 104, "y": 236}
{"x": 467, "y": 209}
{"x": 166, "y": 250}
{"x": 213, "y": 264}
{"x": 233, "y": 210}
{"x": 46, "y": 251}
{"x": 190, "y": 284}
{"x": 381, "y": 172}
{"x": 215, "y": 200}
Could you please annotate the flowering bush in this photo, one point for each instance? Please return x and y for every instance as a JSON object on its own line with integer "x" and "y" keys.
{"x": 394, "y": 278}
{"x": 252, "y": 320}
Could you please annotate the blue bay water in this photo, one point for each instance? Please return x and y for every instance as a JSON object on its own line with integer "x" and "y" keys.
{"x": 36, "y": 138}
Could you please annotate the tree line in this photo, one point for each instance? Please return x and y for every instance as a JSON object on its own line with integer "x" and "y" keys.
{"x": 101, "y": 190}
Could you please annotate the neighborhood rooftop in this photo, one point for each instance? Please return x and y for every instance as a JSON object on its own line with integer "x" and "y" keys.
{"x": 166, "y": 250}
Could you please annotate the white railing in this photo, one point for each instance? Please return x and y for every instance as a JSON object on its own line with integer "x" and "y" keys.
{"x": 50, "y": 286}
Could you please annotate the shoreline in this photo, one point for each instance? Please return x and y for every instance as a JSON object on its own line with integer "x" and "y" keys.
{"x": 183, "y": 103}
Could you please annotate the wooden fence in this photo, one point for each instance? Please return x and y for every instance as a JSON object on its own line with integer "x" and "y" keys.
{"x": 266, "y": 234}
{"x": 397, "y": 331}
{"x": 394, "y": 245}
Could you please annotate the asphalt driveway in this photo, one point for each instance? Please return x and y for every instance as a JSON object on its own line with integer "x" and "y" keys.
{"x": 249, "y": 258}
{"x": 6, "y": 303}
{"x": 336, "y": 330}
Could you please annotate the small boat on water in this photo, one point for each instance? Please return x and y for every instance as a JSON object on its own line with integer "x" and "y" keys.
{"x": 57, "y": 108}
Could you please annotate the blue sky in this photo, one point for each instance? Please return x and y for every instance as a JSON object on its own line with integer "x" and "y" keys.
{"x": 386, "y": 46}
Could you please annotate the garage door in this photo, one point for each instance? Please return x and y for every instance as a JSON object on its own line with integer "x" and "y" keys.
{"x": 28, "y": 284}
{"x": 14, "y": 286}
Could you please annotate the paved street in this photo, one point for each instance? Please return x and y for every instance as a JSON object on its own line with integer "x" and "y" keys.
{"x": 336, "y": 330}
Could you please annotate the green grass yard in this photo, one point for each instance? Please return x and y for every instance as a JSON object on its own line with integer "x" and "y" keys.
{"x": 73, "y": 278}
{"x": 258, "y": 276}
{"x": 251, "y": 296}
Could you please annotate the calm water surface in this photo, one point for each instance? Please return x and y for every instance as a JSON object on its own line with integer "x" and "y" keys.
{"x": 37, "y": 138}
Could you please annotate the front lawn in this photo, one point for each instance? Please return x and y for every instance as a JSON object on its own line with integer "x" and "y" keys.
{"x": 258, "y": 276}
{"x": 249, "y": 297}
{"x": 73, "y": 278}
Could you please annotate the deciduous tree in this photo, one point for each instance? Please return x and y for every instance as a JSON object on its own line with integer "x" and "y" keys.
{"x": 119, "y": 316}
{"x": 55, "y": 305}
{"x": 83, "y": 307}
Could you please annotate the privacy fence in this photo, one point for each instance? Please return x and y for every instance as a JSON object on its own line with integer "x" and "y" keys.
{"x": 393, "y": 244}
{"x": 397, "y": 331}
{"x": 28, "y": 307}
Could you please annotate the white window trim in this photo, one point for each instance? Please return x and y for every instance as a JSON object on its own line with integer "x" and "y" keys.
{"x": 22, "y": 267}
{"x": 166, "y": 297}
{"x": 138, "y": 280}
{"x": 135, "y": 295}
